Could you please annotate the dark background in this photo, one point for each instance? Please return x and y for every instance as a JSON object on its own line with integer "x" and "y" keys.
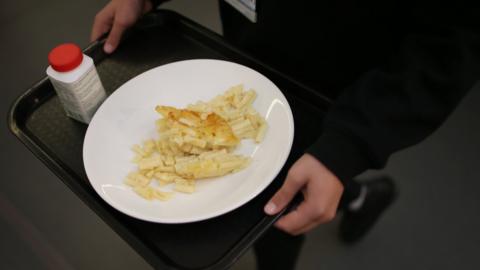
{"x": 433, "y": 225}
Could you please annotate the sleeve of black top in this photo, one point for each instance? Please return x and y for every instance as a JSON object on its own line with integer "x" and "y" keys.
{"x": 399, "y": 104}
{"x": 156, "y": 3}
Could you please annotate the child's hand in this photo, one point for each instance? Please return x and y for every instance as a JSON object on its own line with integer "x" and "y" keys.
{"x": 321, "y": 189}
{"x": 116, "y": 17}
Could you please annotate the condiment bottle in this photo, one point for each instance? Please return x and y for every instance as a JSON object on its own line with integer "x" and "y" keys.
{"x": 76, "y": 81}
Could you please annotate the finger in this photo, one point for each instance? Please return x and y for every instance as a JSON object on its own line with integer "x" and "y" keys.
{"x": 319, "y": 216}
{"x": 298, "y": 219}
{"x": 285, "y": 194}
{"x": 99, "y": 28}
{"x": 102, "y": 23}
{"x": 308, "y": 228}
{"x": 313, "y": 224}
{"x": 114, "y": 37}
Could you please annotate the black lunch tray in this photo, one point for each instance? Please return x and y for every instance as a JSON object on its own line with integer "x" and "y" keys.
{"x": 162, "y": 37}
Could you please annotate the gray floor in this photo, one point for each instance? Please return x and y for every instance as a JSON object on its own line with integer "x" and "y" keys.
{"x": 43, "y": 225}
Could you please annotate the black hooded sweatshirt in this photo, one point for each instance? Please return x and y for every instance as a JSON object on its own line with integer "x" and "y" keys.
{"x": 394, "y": 69}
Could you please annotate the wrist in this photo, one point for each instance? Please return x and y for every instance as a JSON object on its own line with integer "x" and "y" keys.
{"x": 341, "y": 155}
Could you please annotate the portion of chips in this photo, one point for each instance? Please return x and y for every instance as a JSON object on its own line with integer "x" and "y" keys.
{"x": 196, "y": 143}
{"x": 235, "y": 106}
{"x": 190, "y": 129}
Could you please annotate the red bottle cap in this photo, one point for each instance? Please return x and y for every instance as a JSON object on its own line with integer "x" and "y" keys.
{"x": 65, "y": 57}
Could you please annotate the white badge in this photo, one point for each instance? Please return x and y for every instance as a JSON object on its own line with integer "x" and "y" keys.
{"x": 246, "y": 7}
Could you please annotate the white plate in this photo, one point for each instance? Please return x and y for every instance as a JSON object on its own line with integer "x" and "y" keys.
{"x": 127, "y": 117}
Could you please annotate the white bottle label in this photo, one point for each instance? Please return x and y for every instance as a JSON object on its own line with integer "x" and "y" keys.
{"x": 81, "y": 98}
